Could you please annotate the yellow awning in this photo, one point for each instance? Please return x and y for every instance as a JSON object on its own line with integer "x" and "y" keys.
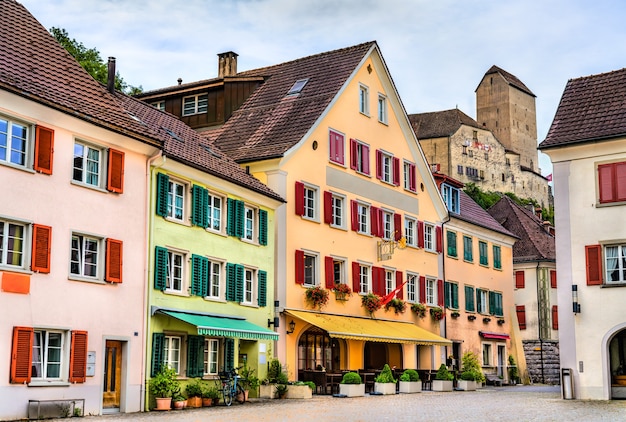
{"x": 368, "y": 329}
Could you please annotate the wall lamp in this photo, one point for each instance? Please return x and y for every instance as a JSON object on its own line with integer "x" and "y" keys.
{"x": 292, "y": 327}
{"x": 575, "y": 304}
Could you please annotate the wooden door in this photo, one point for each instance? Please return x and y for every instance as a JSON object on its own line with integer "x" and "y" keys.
{"x": 112, "y": 374}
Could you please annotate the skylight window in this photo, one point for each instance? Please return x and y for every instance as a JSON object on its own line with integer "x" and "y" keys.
{"x": 298, "y": 86}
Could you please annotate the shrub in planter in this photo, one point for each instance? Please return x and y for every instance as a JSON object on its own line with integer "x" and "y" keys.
{"x": 471, "y": 364}
{"x": 443, "y": 379}
{"x": 210, "y": 395}
{"x": 351, "y": 378}
{"x": 385, "y": 383}
{"x": 281, "y": 390}
{"x": 162, "y": 386}
{"x": 351, "y": 385}
{"x": 410, "y": 382}
{"x": 193, "y": 390}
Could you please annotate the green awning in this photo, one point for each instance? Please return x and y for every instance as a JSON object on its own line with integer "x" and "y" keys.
{"x": 224, "y": 326}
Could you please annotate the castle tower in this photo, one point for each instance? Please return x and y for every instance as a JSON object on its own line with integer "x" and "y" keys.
{"x": 506, "y": 106}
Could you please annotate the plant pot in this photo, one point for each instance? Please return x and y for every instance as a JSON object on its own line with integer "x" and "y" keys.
{"x": 385, "y": 388}
{"x": 299, "y": 392}
{"x": 466, "y": 385}
{"x": 179, "y": 404}
{"x": 409, "y": 387}
{"x": 267, "y": 391}
{"x": 352, "y": 390}
{"x": 243, "y": 397}
{"x": 194, "y": 402}
{"x": 207, "y": 402}
{"x": 442, "y": 385}
{"x": 163, "y": 403}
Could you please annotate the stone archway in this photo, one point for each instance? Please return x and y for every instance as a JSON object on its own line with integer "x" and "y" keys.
{"x": 617, "y": 365}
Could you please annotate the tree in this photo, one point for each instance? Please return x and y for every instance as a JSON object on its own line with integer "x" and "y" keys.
{"x": 90, "y": 60}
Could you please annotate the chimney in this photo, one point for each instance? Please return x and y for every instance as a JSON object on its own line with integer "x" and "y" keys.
{"x": 111, "y": 76}
{"x": 538, "y": 212}
{"x": 227, "y": 64}
{"x": 548, "y": 227}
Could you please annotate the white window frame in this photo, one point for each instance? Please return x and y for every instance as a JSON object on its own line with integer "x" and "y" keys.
{"x": 215, "y": 212}
{"x": 159, "y": 105}
{"x": 382, "y": 108}
{"x": 200, "y": 104}
{"x": 363, "y": 217}
{"x": 82, "y": 252}
{"x": 311, "y": 269}
{"x": 177, "y": 200}
{"x": 216, "y": 279}
{"x": 386, "y": 171}
{"x": 410, "y": 231}
{"x": 360, "y": 160}
{"x": 12, "y": 141}
{"x": 170, "y": 352}
{"x": 211, "y": 356}
{"x": 250, "y": 223}
{"x": 429, "y": 237}
{"x": 23, "y": 251}
{"x": 311, "y": 202}
{"x": 339, "y": 270}
{"x": 412, "y": 287}
{"x": 618, "y": 266}
{"x": 390, "y": 280}
{"x": 451, "y": 196}
{"x": 484, "y": 301}
{"x": 364, "y": 101}
{"x": 249, "y": 285}
{"x": 171, "y": 280}
{"x": 388, "y": 228}
{"x": 431, "y": 291}
{"x": 43, "y": 335}
{"x": 407, "y": 166}
{"x": 338, "y": 210}
{"x": 365, "y": 278}
{"x": 487, "y": 354}
{"x": 85, "y": 160}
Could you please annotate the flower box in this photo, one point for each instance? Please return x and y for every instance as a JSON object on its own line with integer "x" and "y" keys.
{"x": 299, "y": 392}
{"x": 352, "y": 390}
{"x": 267, "y": 391}
{"x": 466, "y": 385}
{"x": 442, "y": 385}
{"x": 385, "y": 388}
{"x": 409, "y": 387}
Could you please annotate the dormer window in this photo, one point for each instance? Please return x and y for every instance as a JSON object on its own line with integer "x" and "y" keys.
{"x": 298, "y": 86}
{"x": 451, "y": 197}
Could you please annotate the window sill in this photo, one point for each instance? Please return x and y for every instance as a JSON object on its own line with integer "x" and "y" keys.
{"x": 215, "y": 299}
{"x": 217, "y": 232}
{"x": 49, "y": 384}
{"x": 17, "y": 167}
{"x": 177, "y": 221}
{"x": 609, "y": 204}
{"x": 86, "y": 279}
{"x": 613, "y": 285}
{"x": 16, "y": 270}
{"x": 338, "y": 227}
{"x": 88, "y": 186}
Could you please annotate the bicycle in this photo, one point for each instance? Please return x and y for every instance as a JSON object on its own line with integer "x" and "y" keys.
{"x": 230, "y": 387}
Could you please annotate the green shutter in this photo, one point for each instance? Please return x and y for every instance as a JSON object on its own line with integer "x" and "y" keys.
{"x": 467, "y": 248}
{"x": 451, "y": 243}
{"x": 447, "y": 293}
{"x": 195, "y": 356}
{"x": 199, "y": 275}
{"x": 496, "y": 257}
{"x": 479, "y": 302}
{"x": 157, "y": 353}
{"x": 199, "y": 206}
{"x": 239, "y": 280}
{"x": 455, "y": 296}
{"x": 469, "y": 299}
{"x": 231, "y": 218}
{"x": 262, "y": 281}
{"x": 230, "y": 282}
{"x": 160, "y": 268}
{"x": 263, "y": 227}
{"x": 492, "y": 303}
{"x": 229, "y": 354}
{"x": 161, "y": 194}
{"x": 240, "y": 215}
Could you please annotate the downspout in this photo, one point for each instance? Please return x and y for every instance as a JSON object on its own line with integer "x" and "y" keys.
{"x": 443, "y": 275}
{"x": 539, "y": 323}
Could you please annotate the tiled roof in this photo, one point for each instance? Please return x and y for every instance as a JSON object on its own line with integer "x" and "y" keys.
{"x": 510, "y": 79}
{"x": 475, "y": 214}
{"x": 535, "y": 243}
{"x": 439, "y": 124}
{"x": 33, "y": 65}
{"x": 270, "y": 122}
{"x": 592, "y": 108}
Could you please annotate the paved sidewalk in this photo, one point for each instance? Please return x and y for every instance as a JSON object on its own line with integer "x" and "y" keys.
{"x": 519, "y": 403}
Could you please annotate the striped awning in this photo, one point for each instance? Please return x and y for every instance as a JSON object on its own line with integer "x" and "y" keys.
{"x": 494, "y": 336}
{"x": 217, "y": 326}
{"x": 368, "y": 329}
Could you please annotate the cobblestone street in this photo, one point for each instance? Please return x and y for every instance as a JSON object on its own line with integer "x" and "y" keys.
{"x": 519, "y": 403}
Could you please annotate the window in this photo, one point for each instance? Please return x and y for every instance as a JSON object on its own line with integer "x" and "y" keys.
{"x": 244, "y": 285}
{"x": 482, "y": 301}
{"x": 475, "y": 135}
{"x": 174, "y": 281}
{"x": 176, "y": 200}
{"x": 334, "y": 210}
{"x": 388, "y": 226}
{"x": 364, "y": 106}
{"x": 297, "y": 86}
{"x": 249, "y": 223}
{"x": 495, "y": 304}
{"x": 612, "y": 182}
{"x": 382, "y": 108}
{"x": 159, "y": 105}
{"x": 469, "y": 299}
{"x": 195, "y": 104}
{"x": 553, "y": 279}
{"x": 248, "y": 286}
{"x": 365, "y": 281}
{"x": 87, "y": 164}
{"x": 171, "y": 352}
{"x": 451, "y": 295}
{"x": 48, "y": 351}
{"x": 615, "y": 263}
{"x": 214, "y": 279}
{"x": 85, "y": 256}
{"x": 335, "y": 271}
{"x": 306, "y": 268}
{"x": 451, "y": 198}
{"x": 215, "y": 204}
{"x": 429, "y": 237}
{"x": 14, "y": 142}
{"x": 360, "y": 217}
{"x": 410, "y": 181}
{"x": 451, "y": 240}
{"x": 468, "y": 249}
{"x": 412, "y": 286}
{"x": 246, "y": 222}
{"x": 387, "y": 168}
{"x": 431, "y": 292}
{"x": 497, "y": 260}
{"x": 336, "y": 147}
{"x": 211, "y": 356}
{"x": 410, "y": 231}
{"x": 483, "y": 253}
{"x": 12, "y": 244}
{"x": 487, "y": 354}
{"x": 306, "y": 201}
{"x": 459, "y": 170}
{"x": 520, "y": 281}
{"x": 359, "y": 157}
{"x": 390, "y": 281}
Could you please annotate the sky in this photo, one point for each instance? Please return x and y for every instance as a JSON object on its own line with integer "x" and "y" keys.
{"x": 437, "y": 51}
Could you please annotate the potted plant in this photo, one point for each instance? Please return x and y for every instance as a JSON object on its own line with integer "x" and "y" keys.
{"x": 471, "y": 317}
{"x": 275, "y": 375}
{"x": 342, "y": 291}
{"x": 178, "y": 399}
{"x": 471, "y": 372}
{"x": 455, "y": 314}
{"x": 398, "y": 305}
{"x": 371, "y": 302}
{"x": 316, "y": 296}
{"x": 281, "y": 390}
{"x": 248, "y": 381}
{"x": 443, "y": 379}
{"x": 161, "y": 386}
{"x": 513, "y": 371}
{"x": 437, "y": 313}
{"x": 385, "y": 383}
{"x": 210, "y": 396}
{"x": 351, "y": 385}
{"x": 301, "y": 390}
{"x": 193, "y": 390}
{"x": 419, "y": 309}
{"x": 410, "y": 382}
{"x": 486, "y": 319}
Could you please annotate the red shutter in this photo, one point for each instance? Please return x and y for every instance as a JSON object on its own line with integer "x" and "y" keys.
{"x": 422, "y": 289}
{"x": 420, "y": 234}
{"x": 366, "y": 158}
{"x": 114, "y": 261}
{"x": 354, "y": 211}
{"x": 115, "y": 180}
{"x": 439, "y": 239}
{"x": 376, "y": 281}
{"x": 555, "y": 317}
{"x": 336, "y": 147}
{"x": 299, "y": 267}
{"x": 353, "y": 154}
{"x": 605, "y": 183}
{"x": 553, "y": 279}
{"x": 397, "y": 227}
{"x": 299, "y": 198}
{"x": 379, "y": 164}
{"x": 42, "y": 239}
{"x": 375, "y": 221}
{"x": 400, "y": 294}
{"x": 440, "y": 293}
{"x": 521, "y": 316}
{"x": 21, "y": 355}
{"x": 382, "y": 282}
{"x": 44, "y": 149}
{"x": 593, "y": 255}
{"x": 520, "y": 281}
{"x": 329, "y": 272}
{"x": 396, "y": 171}
{"x": 78, "y": 357}
{"x": 356, "y": 277}
{"x": 328, "y": 207}
{"x": 620, "y": 181}
{"x": 413, "y": 180}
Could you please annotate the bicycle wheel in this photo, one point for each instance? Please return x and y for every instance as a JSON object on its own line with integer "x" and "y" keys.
{"x": 227, "y": 393}
{"x": 241, "y": 395}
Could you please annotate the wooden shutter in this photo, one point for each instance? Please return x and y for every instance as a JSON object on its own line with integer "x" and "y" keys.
{"x": 420, "y": 234}
{"x": 399, "y": 281}
{"x": 114, "y": 261}
{"x": 492, "y": 303}
{"x": 356, "y": 277}
{"x": 396, "y": 171}
{"x": 199, "y": 275}
{"x": 336, "y": 147}
{"x": 329, "y": 271}
{"x": 42, "y": 239}
{"x": 239, "y": 280}
{"x": 593, "y": 255}
{"x": 451, "y": 239}
{"x": 454, "y": 291}
{"x": 553, "y": 279}
{"x": 422, "y": 289}
{"x": 413, "y": 179}
{"x": 440, "y": 293}
{"x": 365, "y": 156}
{"x": 263, "y": 227}
{"x": 353, "y": 154}
{"x": 262, "y": 288}
{"x": 620, "y": 181}
{"x": 397, "y": 227}
{"x": 605, "y": 183}
{"x": 299, "y": 267}
{"x": 379, "y": 164}
{"x": 555, "y": 317}
{"x": 479, "y": 301}
{"x": 21, "y": 355}
{"x": 439, "y": 239}
{"x": 163, "y": 181}
{"x": 328, "y": 207}
{"x": 469, "y": 299}
{"x": 199, "y": 206}
{"x": 520, "y": 281}
{"x": 521, "y": 316}
{"x": 375, "y": 228}
{"x": 229, "y": 354}
{"x": 231, "y": 218}
{"x": 378, "y": 281}
{"x": 158, "y": 357}
{"x": 354, "y": 211}
{"x": 44, "y": 150}
{"x": 231, "y": 281}
{"x": 299, "y": 198}
{"x": 160, "y": 268}
{"x": 78, "y": 357}
{"x": 115, "y": 173}
{"x": 240, "y": 211}
{"x": 195, "y": 356}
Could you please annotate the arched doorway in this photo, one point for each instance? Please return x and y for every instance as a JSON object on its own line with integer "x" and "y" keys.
{"x": 316, "y": 349}
{"x": 617, "y": 365}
